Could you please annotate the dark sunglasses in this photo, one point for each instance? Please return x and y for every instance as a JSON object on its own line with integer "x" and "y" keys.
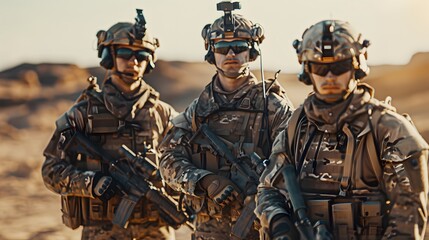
{"x": 336, "y": 68}
{"x": 126, "y": 53}
{"x": 236, "y": 46}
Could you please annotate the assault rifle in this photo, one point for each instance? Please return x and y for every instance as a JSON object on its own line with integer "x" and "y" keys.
{"x": 303, "y": 224}
{"x": 132, "y": 185}
{"x": 244, "y": 222}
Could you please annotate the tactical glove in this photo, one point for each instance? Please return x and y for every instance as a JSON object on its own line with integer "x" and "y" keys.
{"x": 281, "y": 228}
{"x": 104, "y": 187}
{"x": 219, "y": 189}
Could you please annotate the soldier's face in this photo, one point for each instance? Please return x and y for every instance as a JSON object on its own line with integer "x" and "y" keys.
{"x": 332, "y": 87}
{"x": 131, "y": 62}
{"x": 231, "y": 55}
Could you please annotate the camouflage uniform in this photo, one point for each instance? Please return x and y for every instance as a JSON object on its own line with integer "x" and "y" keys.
{"x": 396, "y": 184}
{"x": 236, "y": 117}
{"x": 109, "y": 118}
{"x": 361, "y": 167}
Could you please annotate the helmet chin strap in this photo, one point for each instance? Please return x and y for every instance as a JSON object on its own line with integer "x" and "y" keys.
{"x": 237, "y": 75}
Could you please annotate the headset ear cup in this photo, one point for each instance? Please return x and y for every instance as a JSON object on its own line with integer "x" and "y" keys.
{"x": 303, "y": 76}
{"x": 360, "y": 74}
{"x": 363, "y": 69}
{"x": 106, "y": 58}
{"x": 150, "y": 65}
{"x": 209, "y": 57}
{"x": 253, "y": 54}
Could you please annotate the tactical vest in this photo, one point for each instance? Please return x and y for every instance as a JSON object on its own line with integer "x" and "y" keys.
{"x": 238, "y": 125}
{"x": 332, "y": 179}
{"x": 109, "y": 132}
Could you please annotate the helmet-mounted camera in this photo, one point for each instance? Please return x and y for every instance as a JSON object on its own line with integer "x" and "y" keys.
{"x": 228, "y": 20}
{"x": 140, "y": 25}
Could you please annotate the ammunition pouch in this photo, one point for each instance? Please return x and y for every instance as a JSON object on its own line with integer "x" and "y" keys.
{"x": 71, "y": 209}
{"x": 348, "y": 218}
{"x": 79, "y": 211}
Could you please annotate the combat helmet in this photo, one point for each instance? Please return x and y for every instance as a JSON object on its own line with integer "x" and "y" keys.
{"x": 125, "y": 33}
{"x": 331, "y": 41}
{"x": 232, "y": 26}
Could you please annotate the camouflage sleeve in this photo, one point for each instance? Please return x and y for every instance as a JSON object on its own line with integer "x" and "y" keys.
{"x": 404, "y": 154}
{"x": 167, "y": 113}
{"x": 280, "y": 109}
{"x": 176, "y": 166}
{"x": 59, "y": 175}
{"x": 270, "y": 199}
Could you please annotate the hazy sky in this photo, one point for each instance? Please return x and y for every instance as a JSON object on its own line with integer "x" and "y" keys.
{"x": 37, "y": 31}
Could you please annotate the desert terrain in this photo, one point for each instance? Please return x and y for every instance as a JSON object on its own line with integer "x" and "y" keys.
{"x": 32, "y": 96}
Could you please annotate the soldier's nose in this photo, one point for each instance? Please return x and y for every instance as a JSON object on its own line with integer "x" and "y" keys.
{"x": 230, "y": 52}
{"x": 330, "y": 76}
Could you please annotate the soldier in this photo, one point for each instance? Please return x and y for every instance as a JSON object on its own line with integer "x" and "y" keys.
{"x": 206, "y": 155}
{"x": 125, "y": 111}
{"x": 361, "y": 167}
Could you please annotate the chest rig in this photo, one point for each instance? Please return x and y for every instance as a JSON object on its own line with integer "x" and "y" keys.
{"x": 109, "y": 132}
{"x": 339, "y": 174}
{"x": 238, "y": 124}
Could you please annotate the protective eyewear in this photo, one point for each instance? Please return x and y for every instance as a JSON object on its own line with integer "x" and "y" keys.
{"x": 336, "y": 68}
{"x": 236, "y": 46}
{"x": 126, "y": 53}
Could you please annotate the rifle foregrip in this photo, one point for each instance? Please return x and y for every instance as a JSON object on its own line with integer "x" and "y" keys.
{"x": 168, "y": 207}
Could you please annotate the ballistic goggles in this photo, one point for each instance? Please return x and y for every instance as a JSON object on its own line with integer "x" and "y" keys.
{"x": 126, "y": 53}
{"x": 237, "y": 47}
{"x": 336, "y": 68}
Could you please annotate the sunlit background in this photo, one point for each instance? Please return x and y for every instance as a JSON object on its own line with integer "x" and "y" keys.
{"x": 64, "y": 31}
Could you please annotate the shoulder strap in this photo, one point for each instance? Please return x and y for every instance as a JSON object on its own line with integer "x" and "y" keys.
{"x": 293, "y": 123}
{"x": 373, "y": 157}
{"x": 373, "y": 148}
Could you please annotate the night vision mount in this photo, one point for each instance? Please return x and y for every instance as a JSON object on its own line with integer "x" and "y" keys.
{"x": 328, "y": 41}
{"x": 228, "y": 20}
{"x": 140, "y": 25}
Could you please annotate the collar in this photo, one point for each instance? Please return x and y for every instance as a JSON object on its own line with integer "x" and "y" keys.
{"x": 331, "y": 117}
{"x": 126, "y": 106}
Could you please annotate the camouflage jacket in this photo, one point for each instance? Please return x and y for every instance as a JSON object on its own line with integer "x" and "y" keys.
{"x": 236, "y": 120}
{"x": 109, "y": 119}
{"x": 358, "y": 152}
